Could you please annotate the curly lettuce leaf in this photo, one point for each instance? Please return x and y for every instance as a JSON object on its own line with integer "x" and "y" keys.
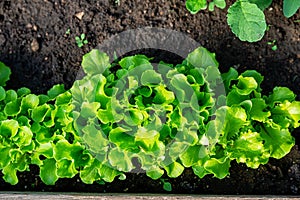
{"x": 278, "y": 141}
{"x": 279, "y": 95}
{"x": 249, "y": 148}
{"x": 48, "y": 172}
{"x": 95, "y": 62}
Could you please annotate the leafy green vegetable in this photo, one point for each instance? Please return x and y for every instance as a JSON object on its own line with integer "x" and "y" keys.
{"x": 95, "y": 62}
{"x": 137, "y": 116}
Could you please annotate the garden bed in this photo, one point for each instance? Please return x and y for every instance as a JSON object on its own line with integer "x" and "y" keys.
{"x": 35, "y": 43}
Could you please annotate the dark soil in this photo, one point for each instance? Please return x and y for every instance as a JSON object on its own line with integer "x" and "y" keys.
{"x": 35, "y": 45}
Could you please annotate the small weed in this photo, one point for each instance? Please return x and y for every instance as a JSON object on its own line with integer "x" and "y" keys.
{"x": 166, "y": 185}
{"x": 68, "y": 31}
{"x": 273, "y": 44}
{"x": 80, "y": 41}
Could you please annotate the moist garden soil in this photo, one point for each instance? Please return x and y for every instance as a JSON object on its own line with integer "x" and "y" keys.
{"x": 35, "y": 45}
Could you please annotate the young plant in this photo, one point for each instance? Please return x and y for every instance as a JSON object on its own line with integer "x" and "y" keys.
{"x": 167, "y": 186}
{"x": 273, "y": 45}
{"x": 68, "y": 31}
{"x": 245, "y": 17}
{"x": 80, "y": 41}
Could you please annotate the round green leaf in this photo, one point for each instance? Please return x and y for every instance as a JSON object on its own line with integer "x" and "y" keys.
{"x": 246, "y": 21}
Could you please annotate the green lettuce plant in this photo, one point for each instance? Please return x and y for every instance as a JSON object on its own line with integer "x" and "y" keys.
{"x": 135, "y": 115}
{"x": 245, "y": 17}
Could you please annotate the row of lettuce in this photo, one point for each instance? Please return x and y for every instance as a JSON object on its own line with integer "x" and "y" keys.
{"x": 136, "y": 116}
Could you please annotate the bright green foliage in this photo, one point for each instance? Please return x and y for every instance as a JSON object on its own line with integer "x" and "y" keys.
{"x": 245, "y": 17}
{"x": 81, "y": 40}
{"x": 136, "y": 116}
{"x": 247, "y": 21}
